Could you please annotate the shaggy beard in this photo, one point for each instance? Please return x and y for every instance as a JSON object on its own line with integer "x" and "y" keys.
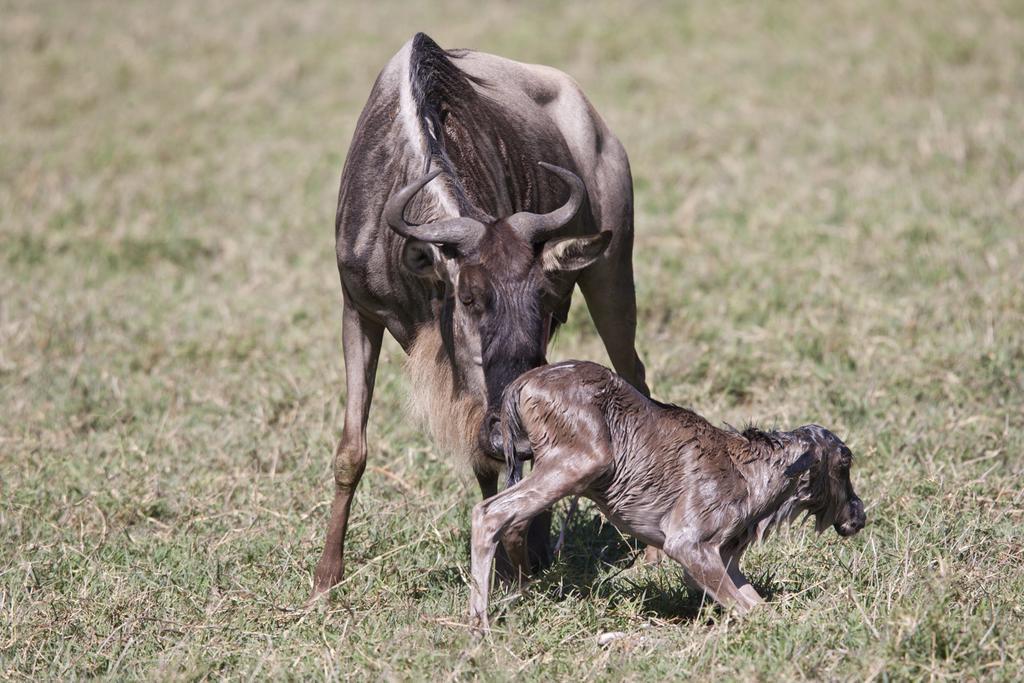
{"x": 787, "y": 514}
{"x": 452, "y": 417}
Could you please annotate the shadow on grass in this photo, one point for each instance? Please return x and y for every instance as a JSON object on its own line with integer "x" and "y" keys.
{"x": 598, "y": 562}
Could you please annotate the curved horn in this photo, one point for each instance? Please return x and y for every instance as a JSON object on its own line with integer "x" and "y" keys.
{"x": 540, "y": 227}
{"x": 458, "y": 231}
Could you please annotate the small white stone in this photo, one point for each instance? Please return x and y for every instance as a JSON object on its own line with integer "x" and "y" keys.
{"x": 606, "y": 638}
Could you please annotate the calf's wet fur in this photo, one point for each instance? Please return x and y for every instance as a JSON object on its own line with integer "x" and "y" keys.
{"x": 659, "y": 472}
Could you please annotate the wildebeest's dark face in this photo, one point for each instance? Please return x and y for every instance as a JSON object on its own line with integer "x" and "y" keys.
{"x": 501, "y": 280}
{"x": 827, "y": 491}
{"x": 502, "y": 296}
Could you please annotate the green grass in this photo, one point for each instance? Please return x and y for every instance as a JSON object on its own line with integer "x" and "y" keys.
{"x": 830, "y": 228}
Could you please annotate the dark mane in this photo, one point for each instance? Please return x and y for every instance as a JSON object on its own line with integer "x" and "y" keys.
{"x": 467, "y": 132}
{"x": 754, "y": 434}
{"x": 439, "y": 88}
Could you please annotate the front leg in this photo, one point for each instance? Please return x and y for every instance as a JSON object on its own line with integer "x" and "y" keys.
{"x": 610, "y": 293}
{"x": 361, "y": 339}
{"x": 608, "y": 289}
{"x": 653, "y": 555}
{"x": 731, "y": 559}
{"x": 607, "y": 284}
{"x": 704, "y": 565}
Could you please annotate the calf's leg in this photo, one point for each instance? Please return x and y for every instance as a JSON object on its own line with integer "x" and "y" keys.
{"x": 653, "y": 555}
{"x": 549, "y": 482}
{"x": 703, "y": 564}
{"x": 515, "y": 506}
{"x": 525, "y": 547}
{"x": 731, "y": 560}
{"x": 510, "y": 560}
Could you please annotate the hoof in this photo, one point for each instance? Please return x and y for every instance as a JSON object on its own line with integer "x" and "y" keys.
{"x": 318, "y": 595}
{"x": 327, "y": 576}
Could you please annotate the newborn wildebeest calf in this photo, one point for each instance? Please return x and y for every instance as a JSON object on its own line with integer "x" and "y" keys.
{"x": 661, "y": 473}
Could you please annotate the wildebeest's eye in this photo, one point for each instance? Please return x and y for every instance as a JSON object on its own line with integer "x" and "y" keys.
{"x": 466, "y": 296}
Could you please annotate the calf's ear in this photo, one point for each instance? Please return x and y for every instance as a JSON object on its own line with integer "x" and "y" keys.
{"x": 808, "y": 456}
{"x": 573, "y": 253}
{"x": 423, "y": 259}
{"x": 802, "y": 464}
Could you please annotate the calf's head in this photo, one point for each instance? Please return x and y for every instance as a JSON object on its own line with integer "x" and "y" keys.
{"x": 501, "y": 279}
{"x": 825, "y": 489}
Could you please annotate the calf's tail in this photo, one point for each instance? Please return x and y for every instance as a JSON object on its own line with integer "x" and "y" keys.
{"x": 515, "y": 442}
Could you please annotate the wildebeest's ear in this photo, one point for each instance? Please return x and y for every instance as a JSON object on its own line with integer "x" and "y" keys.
{"x": 574, "y": 253}
{"x": 422, "y": 258}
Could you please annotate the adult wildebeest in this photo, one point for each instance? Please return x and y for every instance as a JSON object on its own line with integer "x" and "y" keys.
{"x": 661, "y": 473}
{"x": 472, "y": 265}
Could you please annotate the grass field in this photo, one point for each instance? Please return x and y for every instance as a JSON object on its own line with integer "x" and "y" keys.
{"x": 830, "y": 228}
